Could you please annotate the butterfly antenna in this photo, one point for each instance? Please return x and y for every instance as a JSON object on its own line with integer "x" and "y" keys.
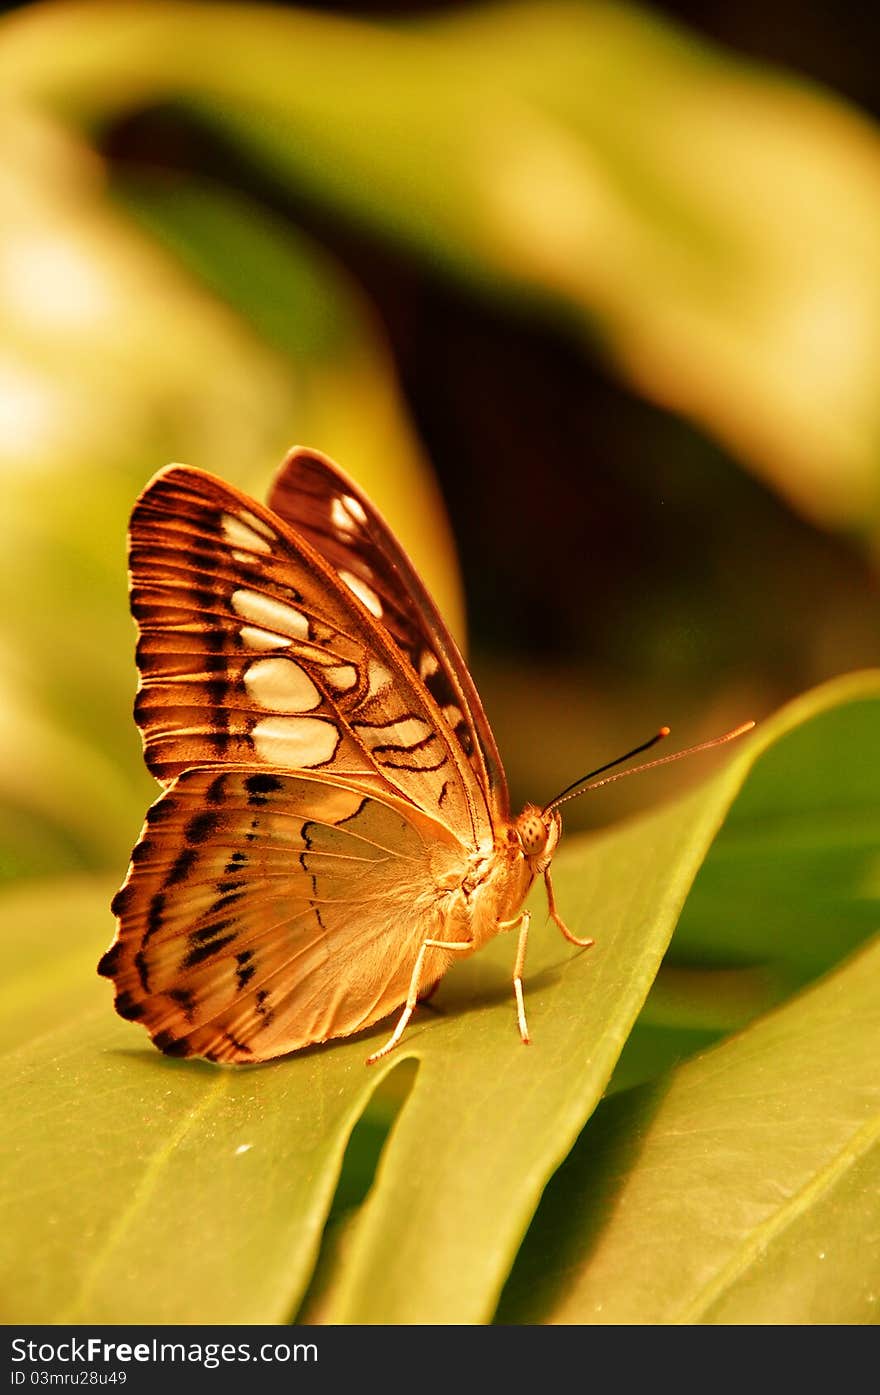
{"x": 580, "y": 786}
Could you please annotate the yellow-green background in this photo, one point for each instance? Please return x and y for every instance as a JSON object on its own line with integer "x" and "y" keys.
{"x": 587, "y": 296}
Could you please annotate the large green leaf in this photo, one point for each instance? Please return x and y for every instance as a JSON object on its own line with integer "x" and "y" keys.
{"x": 816, "y": 897}
{"x": 469, "y": 1156}
{"x": 156, "y": 1194}
{"x": 743, "y": 1188}
{"x": 590, "y": 153}
{"x": 120, "y": 1154}
{"x": 129, "y": 1178}
{"x": 758, "y": 923}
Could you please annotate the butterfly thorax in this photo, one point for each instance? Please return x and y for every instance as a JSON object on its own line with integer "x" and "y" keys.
{"x": 490, "y": 889}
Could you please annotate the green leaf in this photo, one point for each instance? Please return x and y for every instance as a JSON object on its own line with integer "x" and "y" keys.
{"x": 485, "y": 1127}
{"x": 136, "y": 1190}
{"x": 155, "y": 1194}
{"x": 755, "y": 925}
{"x": 813, "y": 800}
{"x": 688, "y": 1009}
{"x": 743, "y": 1188}
{"x": 128, "y": 1180}
{"x": 131, "y": 1177}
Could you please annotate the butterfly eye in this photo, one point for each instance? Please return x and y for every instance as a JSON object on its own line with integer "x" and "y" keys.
{"x": 533, "y": 833}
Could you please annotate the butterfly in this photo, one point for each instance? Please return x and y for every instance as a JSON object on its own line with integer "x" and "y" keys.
{"x": 335, "y": 830}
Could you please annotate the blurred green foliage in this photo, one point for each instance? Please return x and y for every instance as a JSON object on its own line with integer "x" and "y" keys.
{"x": 613, "y": 265}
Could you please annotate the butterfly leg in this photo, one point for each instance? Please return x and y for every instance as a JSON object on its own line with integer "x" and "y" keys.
{"x": 525, "y": 922}
{"x": 412, "y": 997}
{"x": 551, "y": 901}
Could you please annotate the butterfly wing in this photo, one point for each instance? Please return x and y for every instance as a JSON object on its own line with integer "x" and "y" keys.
{"x": 328, "y": 508}
{"x": 254, "y": 650}
{"x": 265, "y": 911}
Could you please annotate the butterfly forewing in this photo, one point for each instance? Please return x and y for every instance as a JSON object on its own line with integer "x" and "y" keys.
{"x": 329, "y": 509}
{"x": 265, "y": 911}
{"x": 253, "y": 650}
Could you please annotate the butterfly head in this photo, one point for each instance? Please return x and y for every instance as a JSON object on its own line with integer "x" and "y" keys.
{"x": 538, "y": 831}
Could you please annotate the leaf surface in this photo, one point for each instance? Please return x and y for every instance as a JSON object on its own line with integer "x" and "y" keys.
{"x": 130, "y": 1177}
{"x": 743, "y": 1188}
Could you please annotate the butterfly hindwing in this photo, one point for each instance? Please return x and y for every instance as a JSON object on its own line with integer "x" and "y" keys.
{"x": 265, "y": 911}
{"x": 253, "y": 650}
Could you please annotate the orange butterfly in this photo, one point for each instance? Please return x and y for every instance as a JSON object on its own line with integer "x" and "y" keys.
{"x": 336, "y": 828}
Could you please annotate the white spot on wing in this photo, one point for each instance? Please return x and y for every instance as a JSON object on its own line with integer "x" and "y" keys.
{"x": 355, "y": 508}
{"x": 333, "y": 803}
{"x": 363, "y": 592}
{"x": 408, "y": 733}
{"x": 340, "y": 517}
{"x": 280, "y": 684}
{"x": 241, "y": 534}
{"x": 295, "y": 742}
{"x": 258, "y": 525}
{"x": 270, "y": 614}
{"x": 428, "y": 664}
{"x": 256, "y": 638}
{"x": 342, "y": 677}
{"x": 379, "y": 678}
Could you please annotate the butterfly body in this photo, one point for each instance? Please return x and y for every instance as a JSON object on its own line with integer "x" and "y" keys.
{"x": 335, "y": 830}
